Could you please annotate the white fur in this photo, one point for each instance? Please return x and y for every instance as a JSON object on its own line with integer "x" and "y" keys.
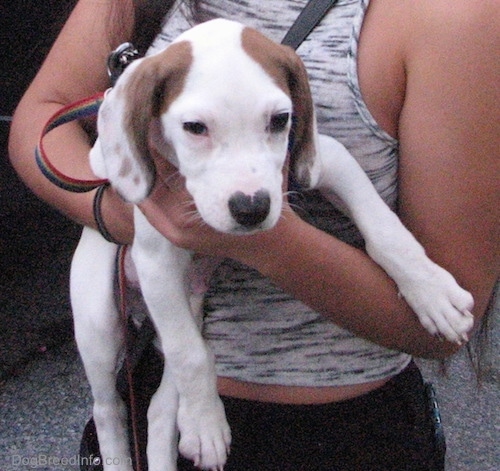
{"x": 235, "y": 98}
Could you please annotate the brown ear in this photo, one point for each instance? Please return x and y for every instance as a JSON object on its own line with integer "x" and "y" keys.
{"x": 303, "y": 136}
{"x": 287, "y": 69}
{"x": 141, "y": 95}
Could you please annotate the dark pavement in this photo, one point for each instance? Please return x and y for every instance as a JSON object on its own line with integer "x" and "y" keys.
{"x": 44, "y": 407}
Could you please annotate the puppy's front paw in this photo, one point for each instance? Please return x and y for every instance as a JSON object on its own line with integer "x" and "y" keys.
{"x": 205, "y": 436}
{"x": 442, "y": 306}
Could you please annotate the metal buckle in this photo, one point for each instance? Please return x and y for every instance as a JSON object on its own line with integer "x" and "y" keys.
{"x": 120, "y": 59}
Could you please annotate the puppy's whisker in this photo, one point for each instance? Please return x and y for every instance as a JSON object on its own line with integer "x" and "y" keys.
{"x": 290, "y": 204}
{"x": 172, "y": 181}
{"x": 170, "y": 177}
{"x": 286, "y": 211}
{"x": 188, "y": 203}
{"x": 194, "y": 217}
{"x": 295, "y": 206}
{"x": 291, "y": 193}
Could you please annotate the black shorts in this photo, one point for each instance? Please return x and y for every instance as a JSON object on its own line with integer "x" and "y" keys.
{"x": 389, "y": 429}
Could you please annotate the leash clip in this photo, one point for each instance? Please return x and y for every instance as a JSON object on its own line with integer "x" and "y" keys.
{"x": 120, "y": 59}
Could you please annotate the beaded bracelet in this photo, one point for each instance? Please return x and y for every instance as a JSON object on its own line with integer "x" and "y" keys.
{"x": 99, "y": 220}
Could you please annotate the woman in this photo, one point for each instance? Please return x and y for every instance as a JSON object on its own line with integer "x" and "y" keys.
{"x": 320, "y": 378}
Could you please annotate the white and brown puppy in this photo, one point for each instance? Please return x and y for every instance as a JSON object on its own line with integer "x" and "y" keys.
{"x": 218, "y": 104}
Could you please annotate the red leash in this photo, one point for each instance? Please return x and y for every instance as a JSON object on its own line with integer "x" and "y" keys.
{"x": 86, "y": 108}
{"x": 129, "y": 368}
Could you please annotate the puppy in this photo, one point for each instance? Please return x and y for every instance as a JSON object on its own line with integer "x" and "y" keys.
{"x": 218, "y": 105}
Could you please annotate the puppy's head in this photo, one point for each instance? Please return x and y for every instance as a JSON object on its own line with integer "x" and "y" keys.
{"x": 218, "y": 104}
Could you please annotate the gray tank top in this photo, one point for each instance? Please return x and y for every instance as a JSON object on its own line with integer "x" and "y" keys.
{"x": 259, "y": 333}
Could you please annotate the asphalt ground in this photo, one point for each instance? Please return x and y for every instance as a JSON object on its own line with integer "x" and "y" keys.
{"x": 45, "y": 406}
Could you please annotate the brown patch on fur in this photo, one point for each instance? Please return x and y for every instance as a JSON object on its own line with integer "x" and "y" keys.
{"x": 288, "y": 71}
{"x": 150, "y": 90}
{"x": 125, "y": 168}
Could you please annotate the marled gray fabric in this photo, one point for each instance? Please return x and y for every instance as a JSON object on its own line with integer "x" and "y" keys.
{"x": 258, "y": 333}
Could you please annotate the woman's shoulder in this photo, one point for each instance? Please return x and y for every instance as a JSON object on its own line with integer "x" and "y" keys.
{"x": 460, "y": 22}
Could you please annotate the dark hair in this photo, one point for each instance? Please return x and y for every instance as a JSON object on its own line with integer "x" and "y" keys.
{"x": 148, "y": 18}
{"x": 481, "y": 348}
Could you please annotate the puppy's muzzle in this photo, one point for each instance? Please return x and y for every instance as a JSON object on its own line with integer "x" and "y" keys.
{"x": 250, "y": 210}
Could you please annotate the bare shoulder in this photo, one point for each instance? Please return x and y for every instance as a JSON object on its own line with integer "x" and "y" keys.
{"x": 456, "y": 27}
{"x": 451, "y": 56}
{"x": 447, "y": 15}
{"x": 451, "y": 103}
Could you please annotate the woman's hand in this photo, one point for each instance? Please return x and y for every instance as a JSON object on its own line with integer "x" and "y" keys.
{"x": 171, "y": 210}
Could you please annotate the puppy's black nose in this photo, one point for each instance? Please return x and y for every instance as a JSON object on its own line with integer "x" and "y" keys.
{"x": 250, "y": 210}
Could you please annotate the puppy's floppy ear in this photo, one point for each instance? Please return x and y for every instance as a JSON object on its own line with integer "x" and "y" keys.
{"x": 141, "y": 95}
{"x": 304, "y": 133}
{"x": 288, "y": 71}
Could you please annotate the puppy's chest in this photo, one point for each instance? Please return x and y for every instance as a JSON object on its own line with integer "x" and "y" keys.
{"x": 317, "y": 211}
{"x": 198, "y": 276}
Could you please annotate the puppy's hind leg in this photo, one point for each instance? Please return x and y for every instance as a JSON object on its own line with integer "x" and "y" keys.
{"x": 100, "y": 338}
{"x": 163, "y": 434}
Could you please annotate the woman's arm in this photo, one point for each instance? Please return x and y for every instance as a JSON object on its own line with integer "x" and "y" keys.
{"x": 448, "y": 131}
{"x": 450, "y": 140}
{"x": 75, "y": 68}
{"x": 449, "y": 167}
{"x": 448, "y": 137}
{"x": 339, "y": 281}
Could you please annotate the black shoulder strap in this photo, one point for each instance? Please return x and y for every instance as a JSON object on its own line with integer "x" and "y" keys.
{"x": 309, "y": 17}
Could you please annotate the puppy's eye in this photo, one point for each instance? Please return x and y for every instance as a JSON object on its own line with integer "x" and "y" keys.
{"x": 196, "y": 128}
{"x": 279, "y": 122}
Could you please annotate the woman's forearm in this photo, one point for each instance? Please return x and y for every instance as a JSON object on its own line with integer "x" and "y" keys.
{"x": 67, "y": 148}
{"x": 345, "y": 285}
{"x": 75, "y": 68}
